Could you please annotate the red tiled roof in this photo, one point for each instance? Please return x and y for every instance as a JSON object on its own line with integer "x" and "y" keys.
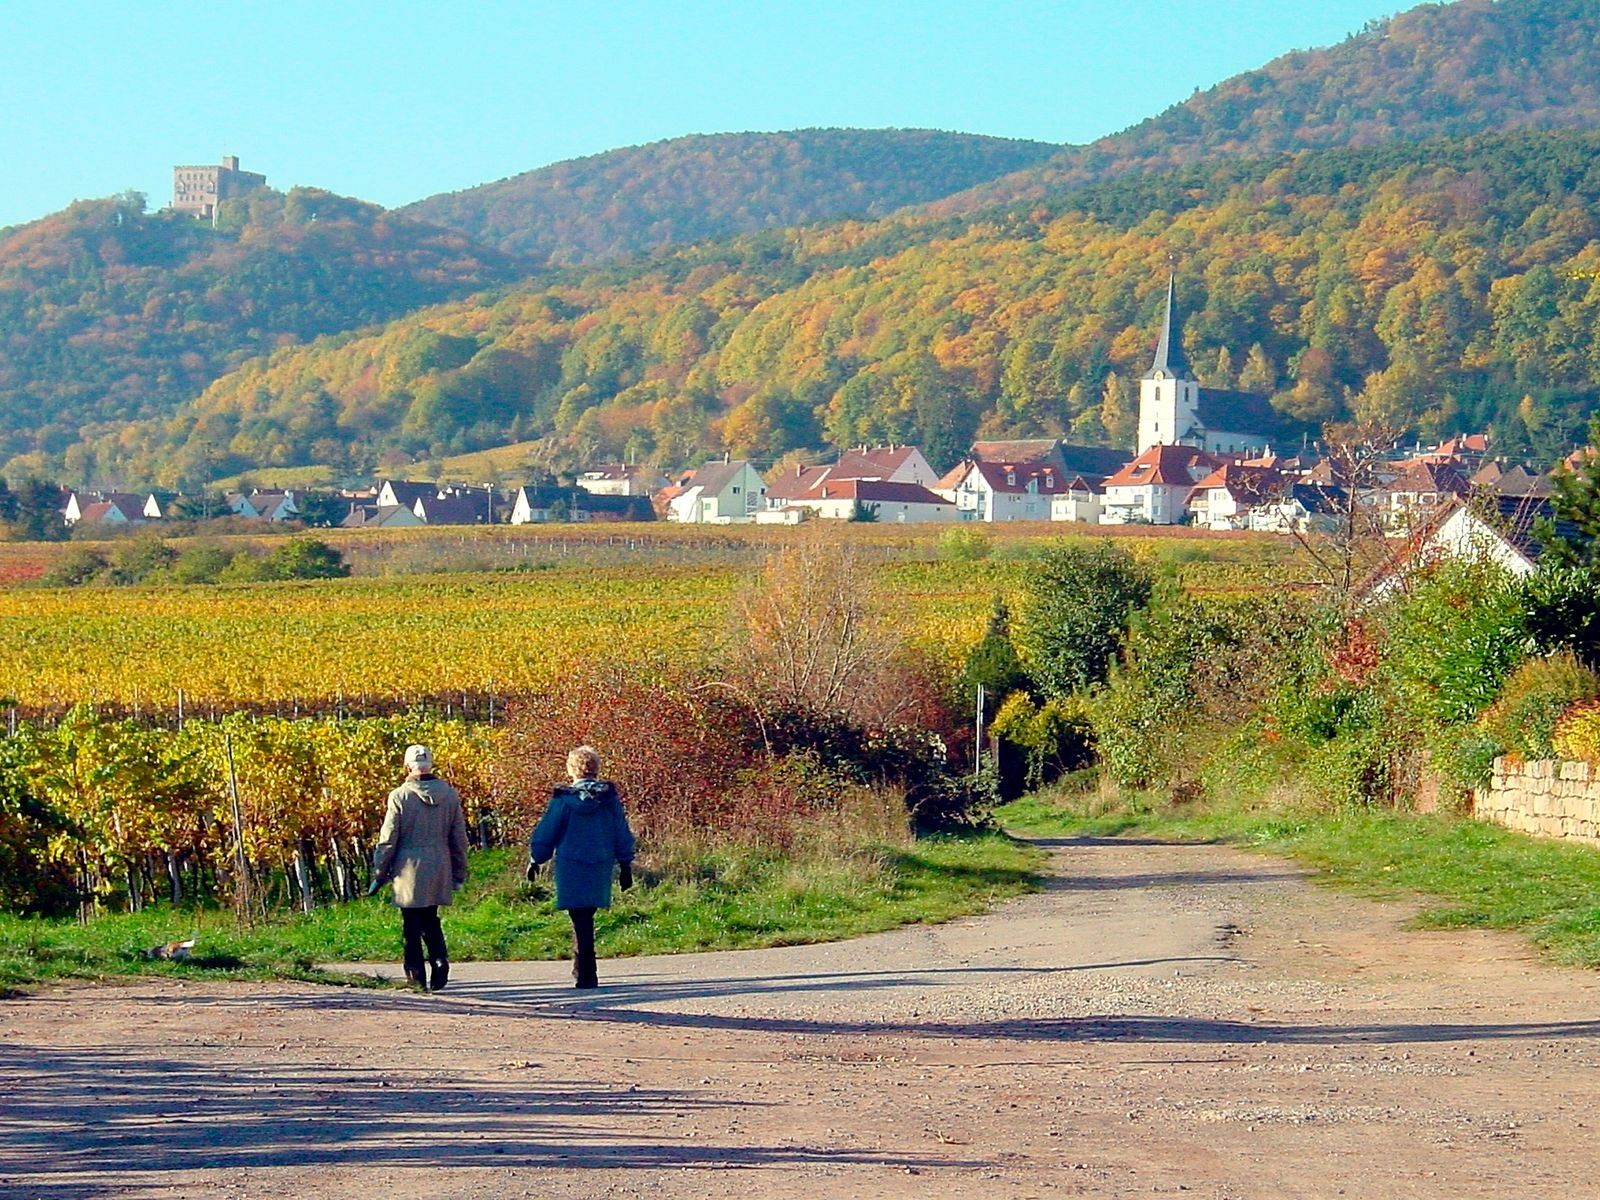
{"x": 880, "y": 462}
{"x": 1171, "y": 466}
{"x": 1244, "y": 483}
{"x": 878, "y": 491}
{"x": 1013, "y": 478}
{"x": 789, "y": 484}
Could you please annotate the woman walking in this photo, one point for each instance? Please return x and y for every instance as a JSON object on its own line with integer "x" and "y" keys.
{"x": 586, "y": 831}
{"x": 423, "y": 850}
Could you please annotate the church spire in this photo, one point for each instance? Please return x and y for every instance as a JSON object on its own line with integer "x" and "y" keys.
{"x": 1169, "y": 350}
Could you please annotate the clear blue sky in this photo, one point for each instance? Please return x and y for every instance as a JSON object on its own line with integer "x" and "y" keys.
{"x": 395, "y": 101}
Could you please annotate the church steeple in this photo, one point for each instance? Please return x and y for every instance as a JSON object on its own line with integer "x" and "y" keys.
{"x": 1169, "y": 362}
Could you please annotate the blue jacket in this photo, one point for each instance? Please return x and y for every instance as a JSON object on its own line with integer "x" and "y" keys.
{"x": 587, "y": 832}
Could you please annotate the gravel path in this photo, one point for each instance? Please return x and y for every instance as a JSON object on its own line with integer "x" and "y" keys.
{"x": 1162, "y": 1019}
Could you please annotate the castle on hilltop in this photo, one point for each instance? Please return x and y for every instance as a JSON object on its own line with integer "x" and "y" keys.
{"x": 198, "y": 190}
{"x": 1175, "y": 410}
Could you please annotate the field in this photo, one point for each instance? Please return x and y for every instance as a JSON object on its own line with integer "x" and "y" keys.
{"x": 411, "y": 627}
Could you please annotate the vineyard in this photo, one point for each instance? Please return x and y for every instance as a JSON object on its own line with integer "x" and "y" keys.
{"x": 294, "y": 648}
{"x": 386, "y": 643}
{"x": 234, "y": 744}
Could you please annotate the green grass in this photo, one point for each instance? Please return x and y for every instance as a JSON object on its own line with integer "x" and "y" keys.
{"x": 736, "y": 900}
{"x": 1468, "y": 874}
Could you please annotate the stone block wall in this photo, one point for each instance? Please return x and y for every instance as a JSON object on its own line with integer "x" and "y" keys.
{"x": 1547, "y": 798}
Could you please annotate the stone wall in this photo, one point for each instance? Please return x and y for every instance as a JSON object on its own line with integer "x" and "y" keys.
{"x": 1548, "y": 798}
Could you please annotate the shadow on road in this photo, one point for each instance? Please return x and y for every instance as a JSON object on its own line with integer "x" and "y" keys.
{"x": 83, "y": 1124}
{"x": 639, "y": 1001}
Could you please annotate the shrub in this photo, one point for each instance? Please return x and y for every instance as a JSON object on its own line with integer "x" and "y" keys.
{"x": 1358, "y": 768}
{"x": 1523, "y": 718}
{"x": 1577, "y": 733}
{"x": 1451, "y": 642}
{"x": 1462, "y": 758}
{"x": 1054, "y": 739}
{"x": 199, "y": 564}
{"x": 964, "y": 543}
{"x": 1563, "y": 611}
{"x": 1079, "y": 601}
{"x": 141, "y": 558}
{"x": 78, "y": 566}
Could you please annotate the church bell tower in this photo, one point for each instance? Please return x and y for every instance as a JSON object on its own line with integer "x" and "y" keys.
{"x": 1169, "y": 394}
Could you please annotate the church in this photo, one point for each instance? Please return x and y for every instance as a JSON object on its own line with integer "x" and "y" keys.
{"x": 1175, "y": 410}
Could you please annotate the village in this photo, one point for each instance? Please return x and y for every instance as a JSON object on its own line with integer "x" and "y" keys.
{"x": 1205, "y": 458}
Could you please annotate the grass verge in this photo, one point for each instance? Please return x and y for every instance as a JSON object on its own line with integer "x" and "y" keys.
{"x": 1468, "y": 873}
{"x": 733, "y": 899}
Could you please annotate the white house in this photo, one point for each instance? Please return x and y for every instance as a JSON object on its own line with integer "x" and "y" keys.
{"x": 620, "y": 479}
{"x": 992, "y": 491}
{"x": 1497, "y": 530}
{"x": 264, "y": 506}
{"x": 113, "y": 513}
{"x": 719, "y": 493}
{"x": 1226, "y": 498}
{"x": 885, "y": 464}
{"x": 1080, "y": 502}
{"x": 1154, "y": 488}
{"x": 381, "y": 516}
{"x": 899, "y": 503}
{"x": 78, "y": 504}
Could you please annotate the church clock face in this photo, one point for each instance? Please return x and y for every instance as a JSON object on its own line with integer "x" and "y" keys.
{"x": 1160, "y": 375}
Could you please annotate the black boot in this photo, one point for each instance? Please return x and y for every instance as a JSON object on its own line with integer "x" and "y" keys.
{"x": 440, "y": 975}
{"x": 585, "y": 971}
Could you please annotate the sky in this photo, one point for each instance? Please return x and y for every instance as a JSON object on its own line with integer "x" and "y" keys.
{"x": 394, "y": 101}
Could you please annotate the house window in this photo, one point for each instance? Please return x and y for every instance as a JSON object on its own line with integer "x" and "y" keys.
{"x": 736, "y": 491}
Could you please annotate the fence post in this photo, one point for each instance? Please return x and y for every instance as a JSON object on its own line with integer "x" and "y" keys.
{"x": 242, "y": 892}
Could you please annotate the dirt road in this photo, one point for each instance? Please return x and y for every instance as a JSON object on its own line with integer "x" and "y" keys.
{"x": 1161, "y": 1020}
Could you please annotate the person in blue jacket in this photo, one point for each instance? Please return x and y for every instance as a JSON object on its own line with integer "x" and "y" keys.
{"x": 586, "y": 831}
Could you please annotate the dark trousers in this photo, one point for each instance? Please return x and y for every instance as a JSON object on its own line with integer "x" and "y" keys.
{"x": 420, "y": 927}
{"x": 583, "y": 964}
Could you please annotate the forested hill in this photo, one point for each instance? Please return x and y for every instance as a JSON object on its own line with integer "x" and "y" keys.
{"x": 1451, "y": 285}
{"x": 694, "y": 189}
{"x": 1439, "y": 70}
{"x": 109, "y": 313}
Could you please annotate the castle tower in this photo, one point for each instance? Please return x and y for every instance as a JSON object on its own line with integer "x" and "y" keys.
{"x": 1169, "y": 394}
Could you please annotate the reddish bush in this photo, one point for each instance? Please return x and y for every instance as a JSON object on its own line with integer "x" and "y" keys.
{"x": 689, "y": 756}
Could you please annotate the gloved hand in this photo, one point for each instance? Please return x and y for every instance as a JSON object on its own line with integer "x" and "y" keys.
{"x": 372, "y": 888}
{"x": 532, "y": 872}
{"x": 625, "y": 876}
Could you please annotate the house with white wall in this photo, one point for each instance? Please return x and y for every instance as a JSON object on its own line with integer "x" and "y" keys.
{"x": 1226, "y": 498}
{"x": 875, "y": 499}
{"x": 719, "y": 493}
{"x": 1154, "y": 488}
{"x": 993, "y": 491}
{"x": 1080, "y": 502}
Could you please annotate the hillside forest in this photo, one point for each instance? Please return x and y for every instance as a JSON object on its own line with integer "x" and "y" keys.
{"x": 1400, "y": 226}
{"x": 1444, "y": 286}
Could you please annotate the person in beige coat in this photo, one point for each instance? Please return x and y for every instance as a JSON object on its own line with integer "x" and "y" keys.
{"x": 422, "y": 850}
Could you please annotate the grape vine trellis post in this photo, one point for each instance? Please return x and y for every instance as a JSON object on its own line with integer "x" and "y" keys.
{"x": 241, "y": 897}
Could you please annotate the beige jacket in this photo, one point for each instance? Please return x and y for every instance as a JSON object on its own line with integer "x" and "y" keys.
{"x": 423, "y": 845}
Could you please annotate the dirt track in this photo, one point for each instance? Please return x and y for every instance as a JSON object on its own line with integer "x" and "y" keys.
{"x": 1162, "y": 1020}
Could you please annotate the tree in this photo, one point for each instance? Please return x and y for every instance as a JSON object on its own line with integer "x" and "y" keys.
{"x": 38, "y": 512}
{"x": 321, "y": 510}
{"x": 814, "y": 642}
{"x": 1079, "y": 601}
{"x": 1119, "y": 411}
{"x": 1352, "y": 539}
{"x": 1569, "y": 538}
{"x": 993, "y": 663}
